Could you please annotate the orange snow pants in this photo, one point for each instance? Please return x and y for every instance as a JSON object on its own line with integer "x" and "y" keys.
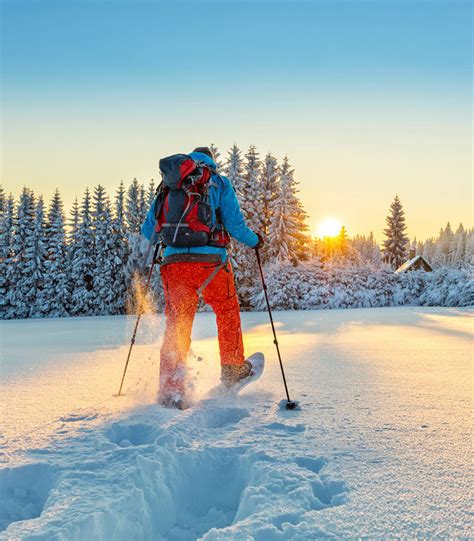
{"x": 181, "y": 284}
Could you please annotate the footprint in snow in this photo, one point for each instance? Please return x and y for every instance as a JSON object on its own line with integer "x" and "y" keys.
{"x": 329, "y": 492}
{"x": 75, "y": 417}
{"x": 312, "y": 464}
{"x": 127, "y": 434}
{"x": 217, "y": 417}
{"x": 24, "y": 491}
{"x": 286, "y": 428}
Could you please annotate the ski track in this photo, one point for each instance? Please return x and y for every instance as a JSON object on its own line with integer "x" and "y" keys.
{"x": 370, "y": 454}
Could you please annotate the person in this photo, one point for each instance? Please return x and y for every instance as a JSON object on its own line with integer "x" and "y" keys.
{"x": 190, "y": 271}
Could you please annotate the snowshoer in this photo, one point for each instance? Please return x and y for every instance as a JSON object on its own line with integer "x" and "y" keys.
{"x": 194, "y": 212}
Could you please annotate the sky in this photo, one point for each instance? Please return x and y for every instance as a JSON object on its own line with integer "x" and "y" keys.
{"x": 367, "y": 98}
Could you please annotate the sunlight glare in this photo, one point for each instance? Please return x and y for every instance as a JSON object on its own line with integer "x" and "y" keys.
{"x": 329, "y": 227}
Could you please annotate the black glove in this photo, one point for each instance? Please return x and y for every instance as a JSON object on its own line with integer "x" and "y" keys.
{"x": 260, "y": 242}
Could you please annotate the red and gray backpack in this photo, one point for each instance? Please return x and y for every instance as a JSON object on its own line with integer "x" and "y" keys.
{"x": 182, "y": 209}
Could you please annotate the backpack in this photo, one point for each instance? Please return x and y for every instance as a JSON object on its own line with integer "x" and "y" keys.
{"x": 182, "y": 210}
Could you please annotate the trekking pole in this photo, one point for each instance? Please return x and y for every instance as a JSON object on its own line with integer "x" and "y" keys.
{"x": 140, "y": 312}
{"x": 290, "y": 404}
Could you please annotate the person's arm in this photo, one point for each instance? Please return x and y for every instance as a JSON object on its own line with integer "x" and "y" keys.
{"x": 148, "y": 227}
{"x": 232, "y": 217}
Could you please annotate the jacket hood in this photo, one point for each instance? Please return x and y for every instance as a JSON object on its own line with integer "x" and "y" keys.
{"x": 201, "y": 157}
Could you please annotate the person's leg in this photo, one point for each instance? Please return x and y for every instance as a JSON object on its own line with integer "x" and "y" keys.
{"x": 181, "y": 303}
{"x": 221, "y": 295}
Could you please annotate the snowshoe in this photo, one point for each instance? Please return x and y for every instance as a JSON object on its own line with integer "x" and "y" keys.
{"x": 232, "y": 374}
{"x": 250, "y": 371}
{"x": 173, "y": 401}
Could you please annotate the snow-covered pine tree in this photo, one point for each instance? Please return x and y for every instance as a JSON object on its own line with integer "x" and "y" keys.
{"x": 105, "y": 257}
{"x": 134, "y": 206}
{"x": 38, "y": 307}
{"x": 83, "y": 262}
{"x": 469, "y": 251}
{"x": 234, "y": 168}
{"x": 20, "y": 271}
{"x": 73, "y": 222}
{"x": 216, "y": 154}
{"x": 121, "y": 251}
{"x": 249, "y": 193}
{"x": 444, "y": 247}
{"x": 367, "y": 249}
{"x": 143, "y": 204}
{"x": 71, "y": 235}
{"x": 459, "y": 244}
{"x": 150, "y": 194}
{"x": 429, "y": 250}
{"x": 135, "y": 212}
{"x": 6, "y": 254}
{"x": 269, "y": 183}
{"x": 374, "y": 253}
{"x": 234, "y": 171}
{"x": 3, "y": 201}
{"x": 55, "y": 297}
{"x": 395, "y": 245}
{"x": 287, "y": 234}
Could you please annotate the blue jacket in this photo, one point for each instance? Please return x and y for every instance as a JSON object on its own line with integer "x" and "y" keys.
{"x": 221, "y": 196}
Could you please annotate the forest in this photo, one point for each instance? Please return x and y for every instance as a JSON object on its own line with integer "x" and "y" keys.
{"x": 93, "y": 261}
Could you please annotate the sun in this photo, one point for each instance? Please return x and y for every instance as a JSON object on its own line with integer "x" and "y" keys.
{"x": 329, "y": 227}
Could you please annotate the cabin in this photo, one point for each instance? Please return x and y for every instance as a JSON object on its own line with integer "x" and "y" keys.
{"x": 416, "y": 262}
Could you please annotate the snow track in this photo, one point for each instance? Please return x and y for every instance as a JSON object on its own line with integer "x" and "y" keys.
{"x": 380, "y": 448}
{"x": 159, "y": 480}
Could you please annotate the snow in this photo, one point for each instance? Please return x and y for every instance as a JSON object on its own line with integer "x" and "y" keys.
{"x": 380, "y": 447}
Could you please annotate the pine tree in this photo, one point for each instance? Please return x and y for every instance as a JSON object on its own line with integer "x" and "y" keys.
{"x": 396, "y": 242}
{"x": 74, "y": 222}
{"x": 429, "y": 250}
{"x": 469, "y": 253}
{"x": 20, "y": 297}
{"x": 105, "y": 257}
{"x": 3, "y": 201}
{"x": 374, "y": 253}
{"x": 246, "y": 180}
{"x": 445, "y": 248}
{"x": 135, "y": 211}
{"x": 269, "y": 182}
{"x": 251, "y": 194}
{"x": 38, "y": 307}
{"x": 83, "y": 261}
{"x": 134, "y": 207}
{"x": 150, "y": 193}
{"x": 343, "y": 239}
{"x": 216, "y": 155}
{"x": 56, "y": 284}
{"x": 234, "y": 169}
{"x": 71, "y": 236}
{"x": 287, "y": 235}
{"x": 6, "y": 254}
{"x": 119, "y": 248}
{"x": 459, "y": 244}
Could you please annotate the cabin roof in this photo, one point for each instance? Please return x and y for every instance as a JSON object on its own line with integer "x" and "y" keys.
{"x": 408, "y": 264}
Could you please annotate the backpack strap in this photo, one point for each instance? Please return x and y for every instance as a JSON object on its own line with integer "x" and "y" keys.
{"x": 211, "y": 277}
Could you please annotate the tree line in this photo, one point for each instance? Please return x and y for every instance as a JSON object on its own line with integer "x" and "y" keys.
{"x": 91, "y": 263}
{"x": 449, "y": 248}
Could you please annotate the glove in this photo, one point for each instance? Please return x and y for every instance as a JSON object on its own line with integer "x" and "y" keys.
{"x": 260, "y": 242}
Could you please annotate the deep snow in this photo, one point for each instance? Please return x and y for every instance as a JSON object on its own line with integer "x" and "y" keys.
{"x": 381, "y": 447}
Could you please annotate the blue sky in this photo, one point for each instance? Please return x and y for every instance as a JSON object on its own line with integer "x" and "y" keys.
{"x": 367, "y": 98}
